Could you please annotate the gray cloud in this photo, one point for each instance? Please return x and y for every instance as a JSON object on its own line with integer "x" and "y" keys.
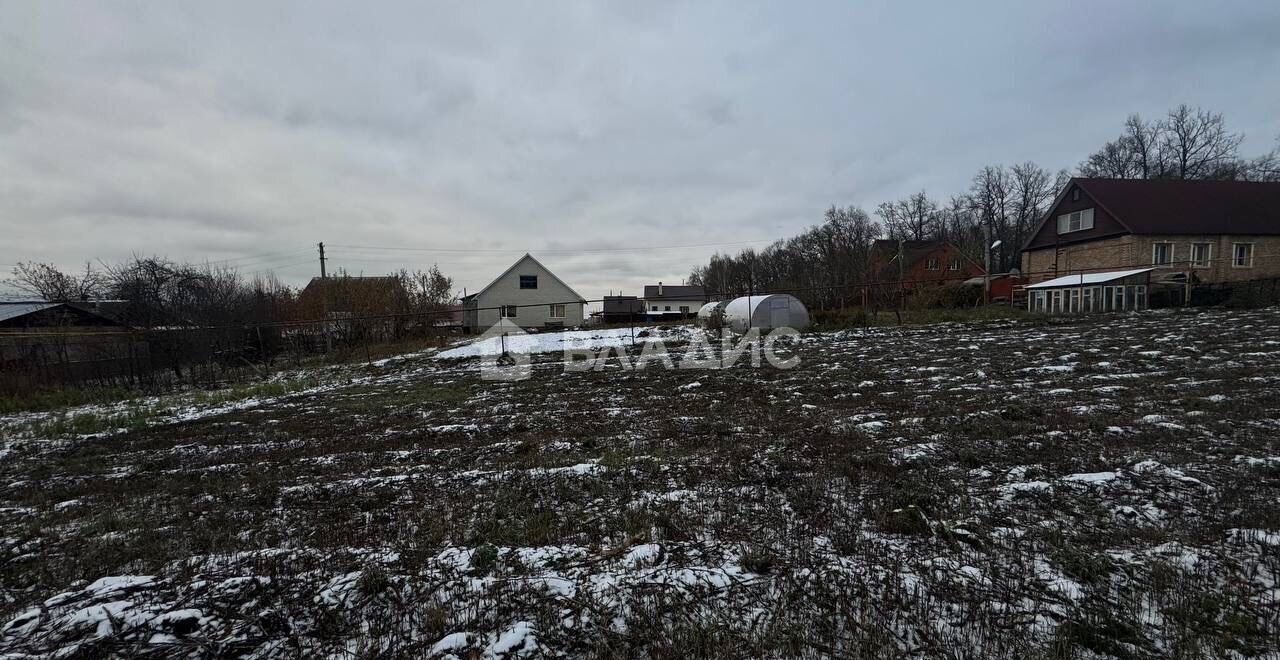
{"x": 233, "y": 129}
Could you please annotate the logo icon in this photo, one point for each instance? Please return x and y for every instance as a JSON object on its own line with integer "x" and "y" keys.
{"x": 503, "y": 353}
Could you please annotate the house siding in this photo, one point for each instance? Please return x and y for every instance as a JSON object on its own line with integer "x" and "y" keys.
{"x": 694, "y": 304}
{"x": 506, "y": 290}
{"x": 1131, "y": 251}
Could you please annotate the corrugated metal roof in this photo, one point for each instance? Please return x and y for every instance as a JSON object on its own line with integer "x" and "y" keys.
{"x": 12, "y": 310}
{"x": 1086, "y": 279}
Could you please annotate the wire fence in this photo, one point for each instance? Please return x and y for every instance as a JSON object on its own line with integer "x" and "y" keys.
{"x": 160, "y": 358}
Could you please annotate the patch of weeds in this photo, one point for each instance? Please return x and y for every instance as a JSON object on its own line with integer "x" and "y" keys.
{"x": 373, "y": 580}
{"x": 757, "y": 559}
{"x": 484, "y": 559}
{"x": 89, "y": 423}
{"x": 539, "y": 528}
{"x": 66, "y": 397}
{"x": 266, "y": 390}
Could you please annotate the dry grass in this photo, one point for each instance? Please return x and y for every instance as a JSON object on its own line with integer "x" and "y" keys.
{"x": 907, "y": 492}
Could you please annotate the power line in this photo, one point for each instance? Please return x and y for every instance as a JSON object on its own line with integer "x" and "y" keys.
{"x": 554, "y": 250}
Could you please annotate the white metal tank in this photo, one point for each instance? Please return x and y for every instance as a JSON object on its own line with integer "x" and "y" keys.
{"x": 711, "y": 310}
{"x": 765, "y": 313}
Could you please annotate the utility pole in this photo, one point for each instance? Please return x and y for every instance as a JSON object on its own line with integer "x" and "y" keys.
{"x": 902, "y": 287}
{"x": 324, "y": 309}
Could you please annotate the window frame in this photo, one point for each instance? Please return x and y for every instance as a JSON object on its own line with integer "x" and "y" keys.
{"x": 954, "y": 264}
{"x": 1208, "y": 254}
{"x": 1155, "y": 246}
{"x": 533, "y": 278}
{"x": 563, "y": 310}
{"x": 1235, "y": 257}
{"x": 932, "y": 263}
{"x": 1084, "y": 221}
{"x": 508, "y": 311}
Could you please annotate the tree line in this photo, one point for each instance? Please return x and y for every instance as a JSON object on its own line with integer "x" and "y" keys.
{"x": 1002, "y": 203}
{"x": 157, "y": 292}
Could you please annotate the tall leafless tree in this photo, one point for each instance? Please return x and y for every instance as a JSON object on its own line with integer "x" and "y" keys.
{"x": 50, "y": 283}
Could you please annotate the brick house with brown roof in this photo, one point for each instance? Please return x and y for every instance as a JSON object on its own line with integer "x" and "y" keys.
{"x": 1219, "y": 231}
{"x": 924, "y": 264}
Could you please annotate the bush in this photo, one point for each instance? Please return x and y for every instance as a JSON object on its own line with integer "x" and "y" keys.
{"x": 949, "y": 296}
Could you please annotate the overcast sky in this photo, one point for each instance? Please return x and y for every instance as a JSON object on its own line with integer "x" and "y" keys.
{"x": 227, "y": 131}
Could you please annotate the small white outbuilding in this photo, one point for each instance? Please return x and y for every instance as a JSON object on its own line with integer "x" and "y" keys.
{"x": 765, "y": 313}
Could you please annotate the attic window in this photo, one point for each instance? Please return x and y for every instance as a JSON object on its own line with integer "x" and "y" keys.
{"x": 528, "y": 281}
{"x": 1075, "y": 221}
{"x": 1075, "y": 195}
{"x": 954, "y": 265}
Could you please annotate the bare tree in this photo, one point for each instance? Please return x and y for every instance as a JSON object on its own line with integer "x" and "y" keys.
{"x": 992, "y": 194}
{"x": 50, "y": 283}
{"x": 1033, "y": 190}
{"x": 914, "y": 218}
{"x": 1197, "y": 145}
{"x": 1189, "y": 143}
{"x": 429, "y": 290}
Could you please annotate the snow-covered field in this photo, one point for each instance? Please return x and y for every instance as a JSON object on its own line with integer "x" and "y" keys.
{"x": 1107, "y": 487}
{"x": 556, "y": 342}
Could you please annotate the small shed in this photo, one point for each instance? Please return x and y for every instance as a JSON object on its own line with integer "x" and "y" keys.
{"x": 1113, "y": 291}
{"x": 622, "y": 309}
{"x": 765, "y": 313}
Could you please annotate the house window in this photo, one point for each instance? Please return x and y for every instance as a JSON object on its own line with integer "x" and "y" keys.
{"x": 931, "y": 263}
{"x": 1075, "y": 221}
{"x": 655, "y": 308}
{"x": 528, "y": 281}
{"x": 1118, "y": 300}
{"x": 954, "y": 265}
{"x": 1086, "y": 301}
{"x": 684, "y": 309}
{"x": 1037, "y": 301}
{"x": 666, "y": 308}
{"x": 1242, "y": 255}
{"x": 1075, "y": 195}
{"x": 1161, "y": 254}
{"x": 557, "y": 311}
{"x": 508, "y": 311}
{"x": 1201, "y": 253}
{"x": 1141, "y": 292}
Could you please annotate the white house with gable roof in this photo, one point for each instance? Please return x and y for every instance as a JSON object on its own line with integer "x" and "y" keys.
{"x": 528, "y": 295}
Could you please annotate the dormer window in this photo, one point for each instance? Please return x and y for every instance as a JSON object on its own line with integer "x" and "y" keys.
{"x": 1075, "y": 221}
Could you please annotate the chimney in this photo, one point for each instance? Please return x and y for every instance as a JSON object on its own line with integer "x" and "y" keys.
{"x": 659, "y": 289}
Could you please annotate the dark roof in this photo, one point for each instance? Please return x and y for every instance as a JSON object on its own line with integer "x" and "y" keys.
{"x": 678, "y": 292}
{"x": 12, "y": 311}
{"x": 115, "y": 310}
{"x": 15, "y": 309}
{"x": 379, "y": 283}
{"x": 885, "y": 249}
{"x": 1162, "y": 206}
